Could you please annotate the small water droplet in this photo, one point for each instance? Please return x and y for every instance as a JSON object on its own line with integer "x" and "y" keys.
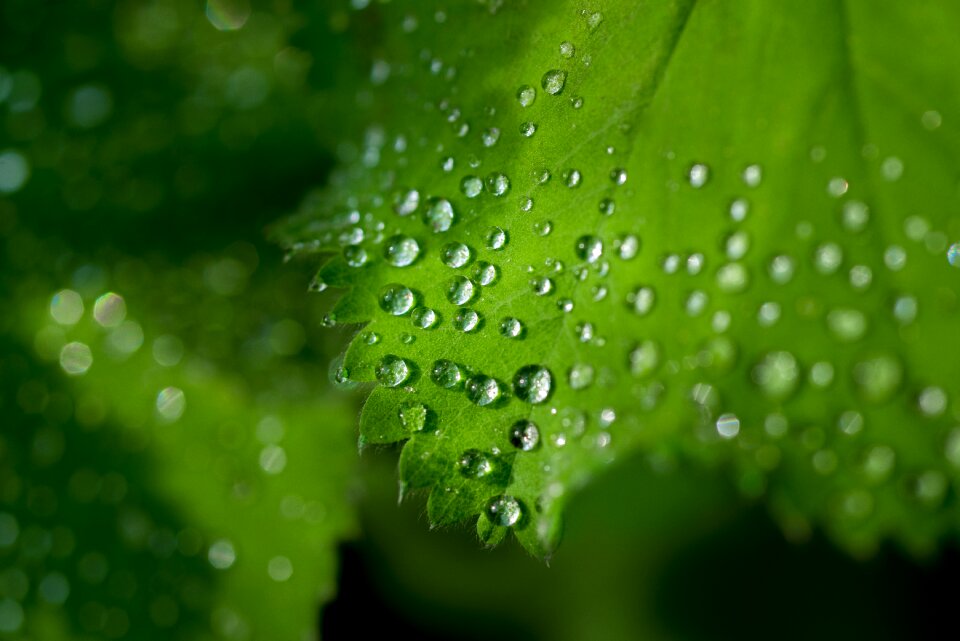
{"x": 542, "y": 286}
{"x": 728, "y": 425}
{"x": 527, "y": 129}
{"x": 498, "y": 183}
{"x": 466, "y": 320}
{"x": 567, "y": 50}
{"x": 641, "y": 300}
{"x": 485, "y": 273}
{"x": 580, "y": 376}
{"x": 406, "y": 202}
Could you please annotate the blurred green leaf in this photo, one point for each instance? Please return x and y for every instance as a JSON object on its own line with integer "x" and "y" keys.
{"x": 716, "y": 231}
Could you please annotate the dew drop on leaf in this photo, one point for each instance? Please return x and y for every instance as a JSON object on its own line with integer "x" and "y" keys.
{"x": 504, "y": 511}
{"x": 524, "y": 435}
{"x": 461, "y": 290}
{"x": 396, "y": 299}
{"x": 533, "y": 384}
{"x": 446, "y": 374}
{"x": 553, "y": 81}
{"x": 401, "y": 251}
{"x": 392, "y": 371}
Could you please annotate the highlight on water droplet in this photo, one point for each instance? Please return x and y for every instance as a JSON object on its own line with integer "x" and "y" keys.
{"x": 553, "y": 81}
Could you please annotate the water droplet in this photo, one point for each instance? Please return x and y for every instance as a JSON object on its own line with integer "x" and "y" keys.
{"x": 850, "y": 422}
{"x": 837, "y": 187}
{"x": 527, "y": 129}
{"x": 396, "y": 299}
{"x": 490, "y": 137}
{"x": 440, "y": 215}
{"x": 572, "y": 178}
{"x": 627, "y": 246}
{"x": 471, "y": 186}
{"x": 905, "y": 309}
{"x": 485, "y": 273}
{"x": 542, "y": 286}
{"x": 406, "y": 202}
{"x": 576, "y": 102}
{"x": 607, "y": 207}
{"x": 580, "y": 376}
{"x": 110, "y": 310}
{"x": 498, "y": 183}
{"x": 828, "y": 258}
{"x": 553, "y": 81}
{"x": 737, "y": 245}
{"x": 482, "y": 390}
{"x": 504, "y": 511}
{"x": 425, "y": 318}
{"x": 446, "y": 374}
{"x": 567, "y": 50}
{"x": 455, "y": 255}
{"x": 589, "y": 248}
{"x": 355, "y": 255}
{"x": 542, "y": 227}
{"x": 496, "y": 238}
{"x": 526, "y": 95}
{"x": 781, "y": 269}
{"x": 698, "y": 175}
{"x": 644, "y": 358}
{"x": 533, "y": 384}
{"x": 891, "y": 169}
{"x": 931, "y": 120}
{"x": 401, "y": 251}
{"x": 752, "y": 175}
{"x": 461, "y": 290}
{"x": 466, "y": 320}
{"x": 474, "y": 464}
{"x": 739, "y": 209}
{"x": 618, "y": 175}
{"x": 642, "y": 300}
{"x": 524, "y": 435}
{"x": 511, "y": 328}
{"x": 392, "y": 371}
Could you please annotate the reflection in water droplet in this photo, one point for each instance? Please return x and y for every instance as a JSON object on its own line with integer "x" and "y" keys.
{"x": 446, "y": 374}
{"x": 504, "y": 511}
{"x": 482, "y": 390}
{"x": 526, "y": 95}
{"x": 401, "y": 251}
{"x": 461, "y": 290}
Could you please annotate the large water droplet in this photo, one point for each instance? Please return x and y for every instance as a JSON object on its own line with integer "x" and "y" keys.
{"x": 511, "y": 328}
{"x": 461, "y": 290}
{"x": 504, "y": 511}
{"x": 396, "y": 299}
{"x": 474, "y": 464}
{"x": 466, "y": 320}
{"x": 553, "y": 81}
{"x": 524, "y": 435}
{"x": 446, "y": 374}
{"x": 455, "y": 255}
{"x": 482, "y": 390}
{"x": 392, "y": 371}
{"x": 401, "y": 251}
{"x": 533, "y": 384}
{"x": 498, "y": 183}
{"x": 425, "y": 318}
{"x": 440, "y": 216}
{"x": 589, "y": 248}
{"x": 496, "y": 238}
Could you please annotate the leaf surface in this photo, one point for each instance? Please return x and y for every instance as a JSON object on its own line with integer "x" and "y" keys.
{"x": 725, "y": 229}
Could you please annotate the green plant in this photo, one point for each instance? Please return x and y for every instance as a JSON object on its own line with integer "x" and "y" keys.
{"x": 708, "y": 232}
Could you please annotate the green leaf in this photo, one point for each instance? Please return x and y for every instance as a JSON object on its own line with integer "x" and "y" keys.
{"x": 181, "y": 386}
{"x": 724, "y": 228}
